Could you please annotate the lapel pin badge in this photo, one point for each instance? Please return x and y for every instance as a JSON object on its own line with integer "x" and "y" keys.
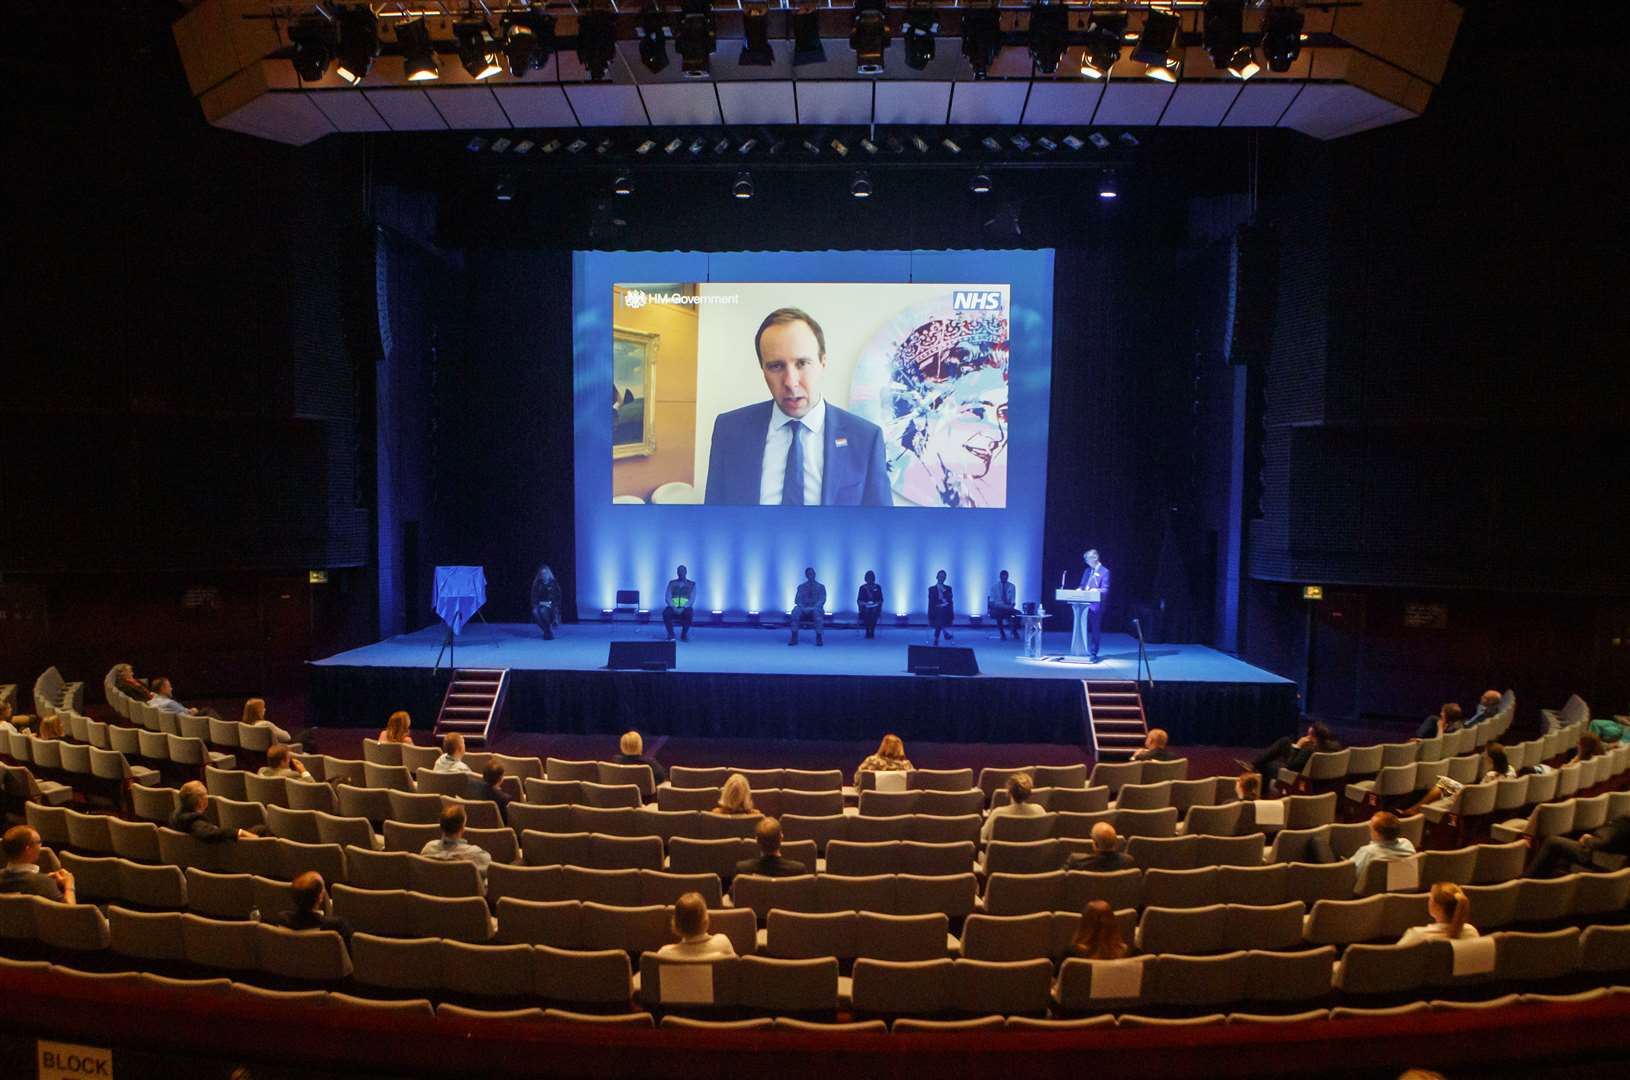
{"x": 841, "y": 440}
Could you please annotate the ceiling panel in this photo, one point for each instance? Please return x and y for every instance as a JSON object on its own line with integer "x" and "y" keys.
{"x": 1133, "y": 103}
{"x": 348, "y": 110}
{"x": 606, "y": 104}
{"x": 1200, "y": 104}
{"x": 912, "y": 102}
{"x": 1062, "y": 102}
{"x": 988, "y": 102}
{"x": 406, "y": 110}
{"x": 468, "y": 108}
{"x": 1325, "y": 110}
{"x": 282, "y": 117}
{"x": 684, "y": 104}
{"x": 1261, "y": 103}
{"x": 541, "y": 106}
{"x": 759, "y": 103}
{"x": 831, "y": 102}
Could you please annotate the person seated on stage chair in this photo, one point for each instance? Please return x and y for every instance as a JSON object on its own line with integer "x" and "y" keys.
{"x": 1292, "y": 754}
{"x": 1098, "y": 937}
{"x": 1446, "y": 788}
{"x": 281, "y": 763}
{"x": 398, "y": 729}
{"x": 869, "y": 602}
{"x": 890, "y": 757}
{"x": 1447, "y": 721}
{"x": 810, "y": 601}
{"x": 546, "y": 601}
{"x": 941, "y": 607}
{"x": 1019, "y": 787}
{"x": 735, "y": 797}
{"x": 22, "y": 874}
{"x": 689, "y": 924}
{"x": 254, "y": 715}
{"x": 1488, "y": 706}
{"x": 451, "y": 846}
{"x": 678, "y": 605}
{"x": 631, "y": 751}
{"x": 311, "y": 908}
{"x": 1003, "y": 605}
{"x": 452, "y": 755}
{"x": 1154, "y": 747}
{"x": 191, "y": 817}
{"x": 1106, "y": 857}
{"x": 491, "y": 789}
{"x": 1558, "y": 853}
{"x": 770, "y": 862}
{"x": 1449, "y": 907}
{"x": 125, "y": 681}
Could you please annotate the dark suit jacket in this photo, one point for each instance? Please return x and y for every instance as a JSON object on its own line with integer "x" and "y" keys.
{"x": 940, "y": 610}
{"x": 870, "y": 594}
{"x": 1101, "y": 862}
{"x": 771, "y": 866}
{"x": 854, "y": 474}
{"x": 1103, "y": 581}
{"x": 310, "y": 920}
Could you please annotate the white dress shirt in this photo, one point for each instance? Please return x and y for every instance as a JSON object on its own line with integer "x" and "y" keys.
{"x": 776, "y": 444}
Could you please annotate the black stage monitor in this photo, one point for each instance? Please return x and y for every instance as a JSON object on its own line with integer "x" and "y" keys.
{"x": 641, "y": 655}
{"x": 941, "y": 660}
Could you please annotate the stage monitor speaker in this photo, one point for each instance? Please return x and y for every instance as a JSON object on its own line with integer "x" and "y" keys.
{"x": 941, "y": 660}
{"x": 641, "y": 655}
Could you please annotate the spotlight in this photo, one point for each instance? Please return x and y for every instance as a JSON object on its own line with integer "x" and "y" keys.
{"x": 755, "y": 28}
{"x": 315, "y": 40}
{"x": 477, "y": 50}
{"x": 918, "y": 30}
{"x": 418, "y": 55}
{"x": 695, "y": 39}
{"x": 1154, "y": 48}
{"x": 1242, "y": 65}
{"x": 529, "y": 38}
{"x": 596, "y": 41}
{"x": 980, "y": 184}
{"x": 743, "y": 187}
{"x": 623, "y": 186}
{"x": 1103, "y": 46}
{"x": 1049, "y": 23}
{"x": 1107, "y": 188}
{"x": 981, "y": 38}
{"x": 653, "y": 38}
{"x": 806, "y": 35}
{"x": 1223, "y": 30}
{"x": 1099, "y": 140}
{"x": 359, "y": 43}
{"x": 1282, "y": 37}
{"x": 870, "y": 36}
{"x": 861, "y": 186}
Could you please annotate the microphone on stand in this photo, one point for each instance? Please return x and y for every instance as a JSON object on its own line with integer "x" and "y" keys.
{"x": 1064, "y": 580}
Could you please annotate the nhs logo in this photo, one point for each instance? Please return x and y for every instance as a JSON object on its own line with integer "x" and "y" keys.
{"x": 976, "y": 301}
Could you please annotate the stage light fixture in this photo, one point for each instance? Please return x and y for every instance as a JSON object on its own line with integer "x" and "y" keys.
{"x": 918, "y": 29}
{"x": 1049, "y": 23}
{"x": 981, "y": 38}
{"x": 1020, "y": 143}
{"x": 529, "y": 38}
{"x": 721, "y": 146}
{"x": 1103, "y": 46}
{"x": 500, "y": 144}
{"x": 747, "y": 147}
{"x": 697, "y": 146}
{"x": 477, "y": 49}
{"x": 1099, "y": 140}
{"x": 673, "y": 146}
{"x": 596, "y": 41}
{"x": 806, "y": 35}
{"x": 755, "y": 29}
{"x": 645, "y": 147}
{"x": 1243, "y": 64}
{"x": 861, "y": 186}
{"x": 653, "y": 38}
{"x": 418, "y": 54}
{"x": 476, "y": 144}
{"x": 840, "y": 147}
{"x": 1222, "y": 30}
{"x": 951, "y": 144}
{"x": 524, "y": 147}
{"x": 1282, "y": 37}
{"x": 991, "y": 143}
{"x": 869, "y": 36}
{"x": 603, "y": 147}
{"x": 868, "y": 146}
{"x": 315, "y": 40}
{"x": 577, "y": 146}
{"x": 695, "y": 39}
{"x": 743, "y": 189}
{"x": 920, "y": 144}
{"x": 1156, "y": 46}
{"x": 1107, "y": 187}
{"x": 980, "y": 184}
{"x": 1073, "y": 142}
{"x": 623, "y": 186}
{"x": 1126, "y": 138}
{"x": 359, "y": 43}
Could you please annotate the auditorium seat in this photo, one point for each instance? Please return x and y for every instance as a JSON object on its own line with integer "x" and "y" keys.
{"x": 308, "y": 795}
{"x": 562, "y": 769}
{"x": 298, "y": 825}
{"x": 1180, "y": 888}
{"x": 895, "y": 988}
{"x": 1144, "y": 796}
{"x": 1090, "y": 986}
{"x": 380, "y": 753}
{"x": 219, "y": 944}
{"x": 226, "y": 783}
{"x": 268, "y": 790}
{"x": 316, "y": 956}
{"x": 220, "y": 896}
{"x": 706, "y": 985}
{"x": 1393, "y": 969}
{"x": 436, "y": 877}
{"x": 585, "y": 977}
{"x": 1194, "y": 981}
{"x": 347, "y": 832}
{"x": 677, "y": 798}
{"x": 1115, "y": 775}
{"x": 395, "y": 777}
{"x": 134, "y": 840}
{"x": 51, "y": 822}
{"x": 146, "y": 935}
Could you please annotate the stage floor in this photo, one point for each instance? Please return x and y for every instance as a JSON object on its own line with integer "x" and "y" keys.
{"x": 763, "y": 651}
{"x": 741, "y": 682}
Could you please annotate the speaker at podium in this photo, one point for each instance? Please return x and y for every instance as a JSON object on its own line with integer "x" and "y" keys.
{"x": 941, "y": 660}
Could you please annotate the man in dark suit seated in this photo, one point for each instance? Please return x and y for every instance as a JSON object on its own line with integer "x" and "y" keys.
{"x": 869, "y": 602}
{"x": 941, "y": 608}
{"x": 21, "y": 846}
{"x": 311, "y": 908}
{"x": 1106, "y": 856}
{"x": 1002, "y": 603}
{"x": 797, "y": 449}
{"x": 809, "y": 602}
{"x": 192, "y": 817}
{"x": 1558, "y": 853}
{"x": 770, "y": 863}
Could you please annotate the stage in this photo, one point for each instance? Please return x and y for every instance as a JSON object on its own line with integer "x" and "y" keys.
{"x": 745, "y": 682}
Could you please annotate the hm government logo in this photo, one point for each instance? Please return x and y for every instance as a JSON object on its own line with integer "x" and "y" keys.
{"x": 635, "y": 298}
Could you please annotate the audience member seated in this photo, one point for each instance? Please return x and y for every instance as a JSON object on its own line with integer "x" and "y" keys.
{"x": 21, "y": 846}
{"x": 492, "y": 777}
{"x": 279, "y": 762}
{"x": 310, "y": 911}
{"x": 1386, "y": 843}
{"x": 125, "y": 681}
{"x": 397, "y": 729}
{"x": 452, "y": 755}
{"x": 1019, "y": 786}
{"x": 6, "y": 713}
{"x": 1448, "y": 719}
{"x": 1558, "y": 854}
{"x": 1106, "y": 855}
{"x": 770, "y": 862}
{"x": 254, "y": 714}
{"x": 735, "y": 797}
{"x": 890, "y": 757}
{"x": 452, "y": 847}
{"x": 163, "y": 699}
{"x": 1446, "y": 788}
{"x": 191, "y": 818}
{"x": 1291, "y": 753}
{"x": 689, "y": 925}
{"x": 1154, "y": 747}
{"x": 1248, "y": 787}
{"x": 1590, "y": 745}
{"x": 1098, "y": 937}
{"x": 631, "y": 751}
{"x": 1449, "y": 906}
{"x": 50, "y": 727}
{"x": 1487, "y": 706}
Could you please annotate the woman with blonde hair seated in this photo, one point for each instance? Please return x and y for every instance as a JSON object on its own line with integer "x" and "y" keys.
{"x": 735, "y": 798}
{"x": 1098, "y": 937}
{"x": 1450, "y": 907}
{"x": 254, "y": 714}
{"x": 631, "y": 751}
{"x": 890, "y": 757}
{"x": 398, "y": 729}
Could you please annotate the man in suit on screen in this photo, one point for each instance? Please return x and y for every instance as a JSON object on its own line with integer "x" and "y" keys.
{"x": 796, "y": 449}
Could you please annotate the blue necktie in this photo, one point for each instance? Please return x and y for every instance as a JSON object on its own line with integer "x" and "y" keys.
{"x": 792, "y": 484}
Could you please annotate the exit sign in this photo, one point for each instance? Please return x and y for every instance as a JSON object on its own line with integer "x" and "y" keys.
{"x": 317, "y": 577}
{"x": 1312, "y": 592}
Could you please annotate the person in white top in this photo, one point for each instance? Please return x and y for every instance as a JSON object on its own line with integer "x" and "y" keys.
{"x": 1019, "y": 786}
{"x": 695, "y": 944}
{"x": 452, "y": 755}
{"x": 1449, "y": 906}
{"x": 451, "y": 846}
